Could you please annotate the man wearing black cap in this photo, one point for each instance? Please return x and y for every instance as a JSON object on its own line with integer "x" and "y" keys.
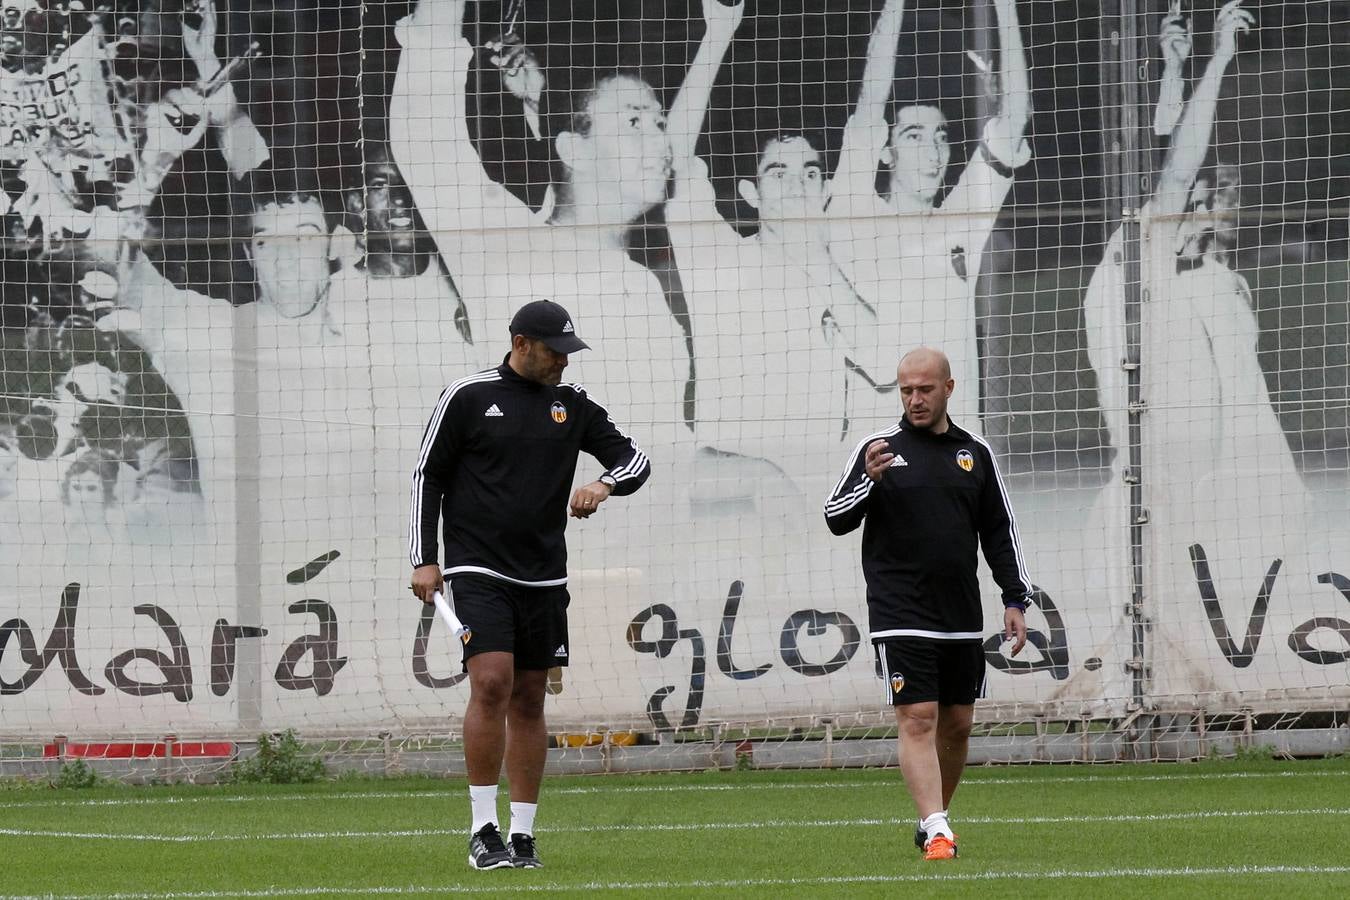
{"x": 495, "y": 465}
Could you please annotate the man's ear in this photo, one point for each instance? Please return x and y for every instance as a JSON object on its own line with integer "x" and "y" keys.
{"x": 343, "y": 245}
{"x": 571, "y": 148}
{"x": 749, "y": 193}
{"x": 355, "y": 203}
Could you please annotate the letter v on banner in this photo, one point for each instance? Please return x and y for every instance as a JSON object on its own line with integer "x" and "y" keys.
{"x": 1209, "y": 598}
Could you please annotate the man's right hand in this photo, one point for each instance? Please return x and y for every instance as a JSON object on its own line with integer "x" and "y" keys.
{"x": 1231, "y": 21}
{"x": 521, "y": 74}
{"x": 878, "y": 459}
{"x": 722, "y": 19}
{"x": 1175, "y": 39}
{"x": 426, "y": 581}
{"x": 199, "y": 37}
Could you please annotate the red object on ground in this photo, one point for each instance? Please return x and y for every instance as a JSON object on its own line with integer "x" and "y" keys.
{"x": 141, "y": 750}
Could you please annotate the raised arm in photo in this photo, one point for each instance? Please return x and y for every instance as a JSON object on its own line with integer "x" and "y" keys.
{"x": 974, "y": 203}
{"x": 241, "y": 143}
{"x": 1191, "y": 140}
{"x": 1174, "y": 42}
{"x": 1004, "y": 133}
{"x": 521, "y": 74}
{"x": 697, "y": 231}
{"x": 865, "y": 134}
{"x": 685, "y": 122}
{"x": 429, "y": 133}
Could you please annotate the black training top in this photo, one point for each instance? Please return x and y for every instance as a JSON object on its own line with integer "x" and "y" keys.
{"x": 939, "y": 500}
{"x": 497, "y": 460}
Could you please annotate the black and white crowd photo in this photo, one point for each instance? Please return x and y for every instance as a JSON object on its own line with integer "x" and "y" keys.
{"x": 248, "y": 244}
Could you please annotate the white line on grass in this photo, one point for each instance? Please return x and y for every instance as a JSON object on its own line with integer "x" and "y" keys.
{"x": 972, "y": 780}
{"x": 712, "y": 884}
{"x": 212, "y": 836}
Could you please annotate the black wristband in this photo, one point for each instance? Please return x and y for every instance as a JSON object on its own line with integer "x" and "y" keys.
{"x": 998, "y": 165}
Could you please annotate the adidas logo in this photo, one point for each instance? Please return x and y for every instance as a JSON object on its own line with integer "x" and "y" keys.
{"x": 561, "y": 651}
{"x": 567, "y": 327}
{"x": 493, "y": 411}
{"x": 897, "y": 462}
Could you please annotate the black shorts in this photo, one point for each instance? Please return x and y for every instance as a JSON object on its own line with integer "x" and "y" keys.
{"x": 924, "y": 670}
{"x": 529, "y": 622}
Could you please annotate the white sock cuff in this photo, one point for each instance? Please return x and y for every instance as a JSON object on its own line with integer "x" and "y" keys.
{"x": 483, "y": 804}
{"x": 522, "y": 818}
{"x": 936, "y": 824}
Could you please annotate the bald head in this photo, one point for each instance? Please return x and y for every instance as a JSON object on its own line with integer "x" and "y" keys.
{"x": 925, "y": 379}
{"x": 923, "y": 357}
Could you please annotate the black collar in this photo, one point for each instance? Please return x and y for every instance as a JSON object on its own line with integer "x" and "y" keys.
{"x": 511, "y": 376}
{"x": 954, "y": 432}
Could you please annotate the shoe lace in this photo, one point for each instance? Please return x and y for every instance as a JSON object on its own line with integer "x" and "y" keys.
{"x": 522, "y": 844}
{"x": 491, "y": 839}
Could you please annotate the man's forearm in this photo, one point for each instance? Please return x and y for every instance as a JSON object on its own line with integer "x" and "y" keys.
{"x": 425, "y": 515}
{"x": 855, "y": 175}
{"x": 242, "y": 145}
{"x": 879, "y": 72}
{"x": 1013, "y": 74}
{"x": 1190, "y": 143}
{"x": 691, "y": 104}
{"x": 439, "y": 12}
{"x": 1171, "y": 99}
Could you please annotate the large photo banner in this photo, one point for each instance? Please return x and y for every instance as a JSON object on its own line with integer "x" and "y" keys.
{"x": 248, "y": 245}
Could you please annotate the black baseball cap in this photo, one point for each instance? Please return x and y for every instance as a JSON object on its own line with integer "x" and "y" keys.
{"x": 546, "y": 321}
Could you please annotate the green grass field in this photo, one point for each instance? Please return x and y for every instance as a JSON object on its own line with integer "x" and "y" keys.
{"x": 1213, "y": 829}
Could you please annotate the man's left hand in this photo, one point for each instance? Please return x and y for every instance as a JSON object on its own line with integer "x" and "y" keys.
{"x": 587, "y": 498}
{"x": 1015, "y": 627}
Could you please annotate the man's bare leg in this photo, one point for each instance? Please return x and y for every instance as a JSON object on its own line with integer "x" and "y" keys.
{"x": 953, "y": 746}
{"x": 919, "y": 757}
{"x": 526, "y": 735}
{"x": 491, "y": 678}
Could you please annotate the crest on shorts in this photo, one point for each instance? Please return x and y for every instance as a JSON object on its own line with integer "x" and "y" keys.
{"x": 558, "y": 411}
{"x": 897, "y": 683}
{"x": 965, "y": 460}
{"x": 468, "y": 633}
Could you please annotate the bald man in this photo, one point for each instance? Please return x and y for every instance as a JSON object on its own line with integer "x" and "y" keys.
{"x": 928, "y": 495}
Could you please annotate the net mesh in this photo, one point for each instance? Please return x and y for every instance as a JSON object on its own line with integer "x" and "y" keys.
{"x": 247, "y": 246}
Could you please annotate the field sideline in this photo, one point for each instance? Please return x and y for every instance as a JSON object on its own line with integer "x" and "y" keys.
{"x": 1216, "y": 828}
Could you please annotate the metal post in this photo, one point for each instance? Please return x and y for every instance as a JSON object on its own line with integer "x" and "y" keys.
{"x": 1128, "y": 183}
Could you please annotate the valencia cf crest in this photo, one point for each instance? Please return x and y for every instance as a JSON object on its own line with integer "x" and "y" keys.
{"x": 559, "y": 412}
{"x": 897, "y": 683}
{"x": 965, "y": 460}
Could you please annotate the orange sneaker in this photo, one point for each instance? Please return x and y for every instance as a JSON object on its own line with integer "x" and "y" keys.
{"x": 939, "y": 847}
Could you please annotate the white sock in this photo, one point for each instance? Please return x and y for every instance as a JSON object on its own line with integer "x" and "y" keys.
{"x": 483, "y": 800}
{"x": 522, "y": 818}
{"x": 936, "y": 824}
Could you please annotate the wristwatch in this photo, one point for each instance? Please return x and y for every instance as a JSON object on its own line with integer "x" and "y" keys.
{"x": 608, "y": 479}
